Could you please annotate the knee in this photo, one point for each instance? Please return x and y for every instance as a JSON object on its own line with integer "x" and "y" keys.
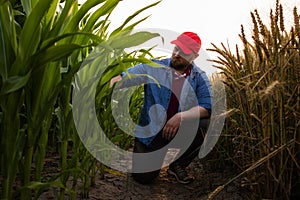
{"x": 204, "y": 123}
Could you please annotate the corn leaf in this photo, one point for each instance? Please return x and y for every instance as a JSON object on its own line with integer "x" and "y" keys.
{"x": 50, "y": 16}
{"x": 64, "y": 17}
{"x": 28, "y": 5}
{"x": 56, "y": 53}
{"x": 125, "y": 41}
{"x": 131, "y": 17}
{"x": 74, "y": 22}
{"x": 30, "y": 34}
{"x": 8, "y": 41}
{"x": 103, "y": 10}
{"x": 14, "y": 83}
{"x": 51, "y": 41}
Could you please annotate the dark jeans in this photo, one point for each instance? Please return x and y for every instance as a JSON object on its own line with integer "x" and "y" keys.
{"x": 184, "y": 160}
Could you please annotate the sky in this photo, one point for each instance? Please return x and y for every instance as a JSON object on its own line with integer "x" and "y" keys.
{"x": 215, "y": 21}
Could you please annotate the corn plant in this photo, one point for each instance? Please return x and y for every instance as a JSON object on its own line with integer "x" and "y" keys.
{"x": 104, "y": 101}
{"x": 262, "y": 85}
{"x": 43, "y": 44}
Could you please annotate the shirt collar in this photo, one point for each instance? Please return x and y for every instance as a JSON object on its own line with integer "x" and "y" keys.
{"x": 185, "y": 74}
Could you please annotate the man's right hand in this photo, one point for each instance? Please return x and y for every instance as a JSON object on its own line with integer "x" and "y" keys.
{"x": 114, "y": 80}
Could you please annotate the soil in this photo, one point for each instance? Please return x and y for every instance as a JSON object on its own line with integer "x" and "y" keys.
{"x": 118, "y": 186}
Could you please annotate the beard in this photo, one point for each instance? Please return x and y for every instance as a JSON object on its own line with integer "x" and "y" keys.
{"x": 178, "y": 65}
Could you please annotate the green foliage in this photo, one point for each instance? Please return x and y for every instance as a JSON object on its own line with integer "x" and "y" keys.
{"x": 42, "y": 45}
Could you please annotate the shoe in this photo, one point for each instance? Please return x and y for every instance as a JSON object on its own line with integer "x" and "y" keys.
{"x": 180, "y": 174}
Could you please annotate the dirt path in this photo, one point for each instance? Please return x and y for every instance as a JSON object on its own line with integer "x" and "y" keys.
{"x": 116, "y": 186}
{"x": 119, "y": 186}
{"x": 165, "y": 187}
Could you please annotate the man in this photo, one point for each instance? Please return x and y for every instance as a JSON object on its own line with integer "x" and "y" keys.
{"x": 179, "y": 79}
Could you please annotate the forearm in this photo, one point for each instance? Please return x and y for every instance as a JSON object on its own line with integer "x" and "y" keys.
{"x": 172, "y": 125}
{"x": 195, "y": 112}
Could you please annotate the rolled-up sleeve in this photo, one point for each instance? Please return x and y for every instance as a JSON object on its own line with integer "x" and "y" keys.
{"x": 135, "y": 80}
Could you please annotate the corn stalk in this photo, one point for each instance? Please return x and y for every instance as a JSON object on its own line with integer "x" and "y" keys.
{"x": 42, "y": 46}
